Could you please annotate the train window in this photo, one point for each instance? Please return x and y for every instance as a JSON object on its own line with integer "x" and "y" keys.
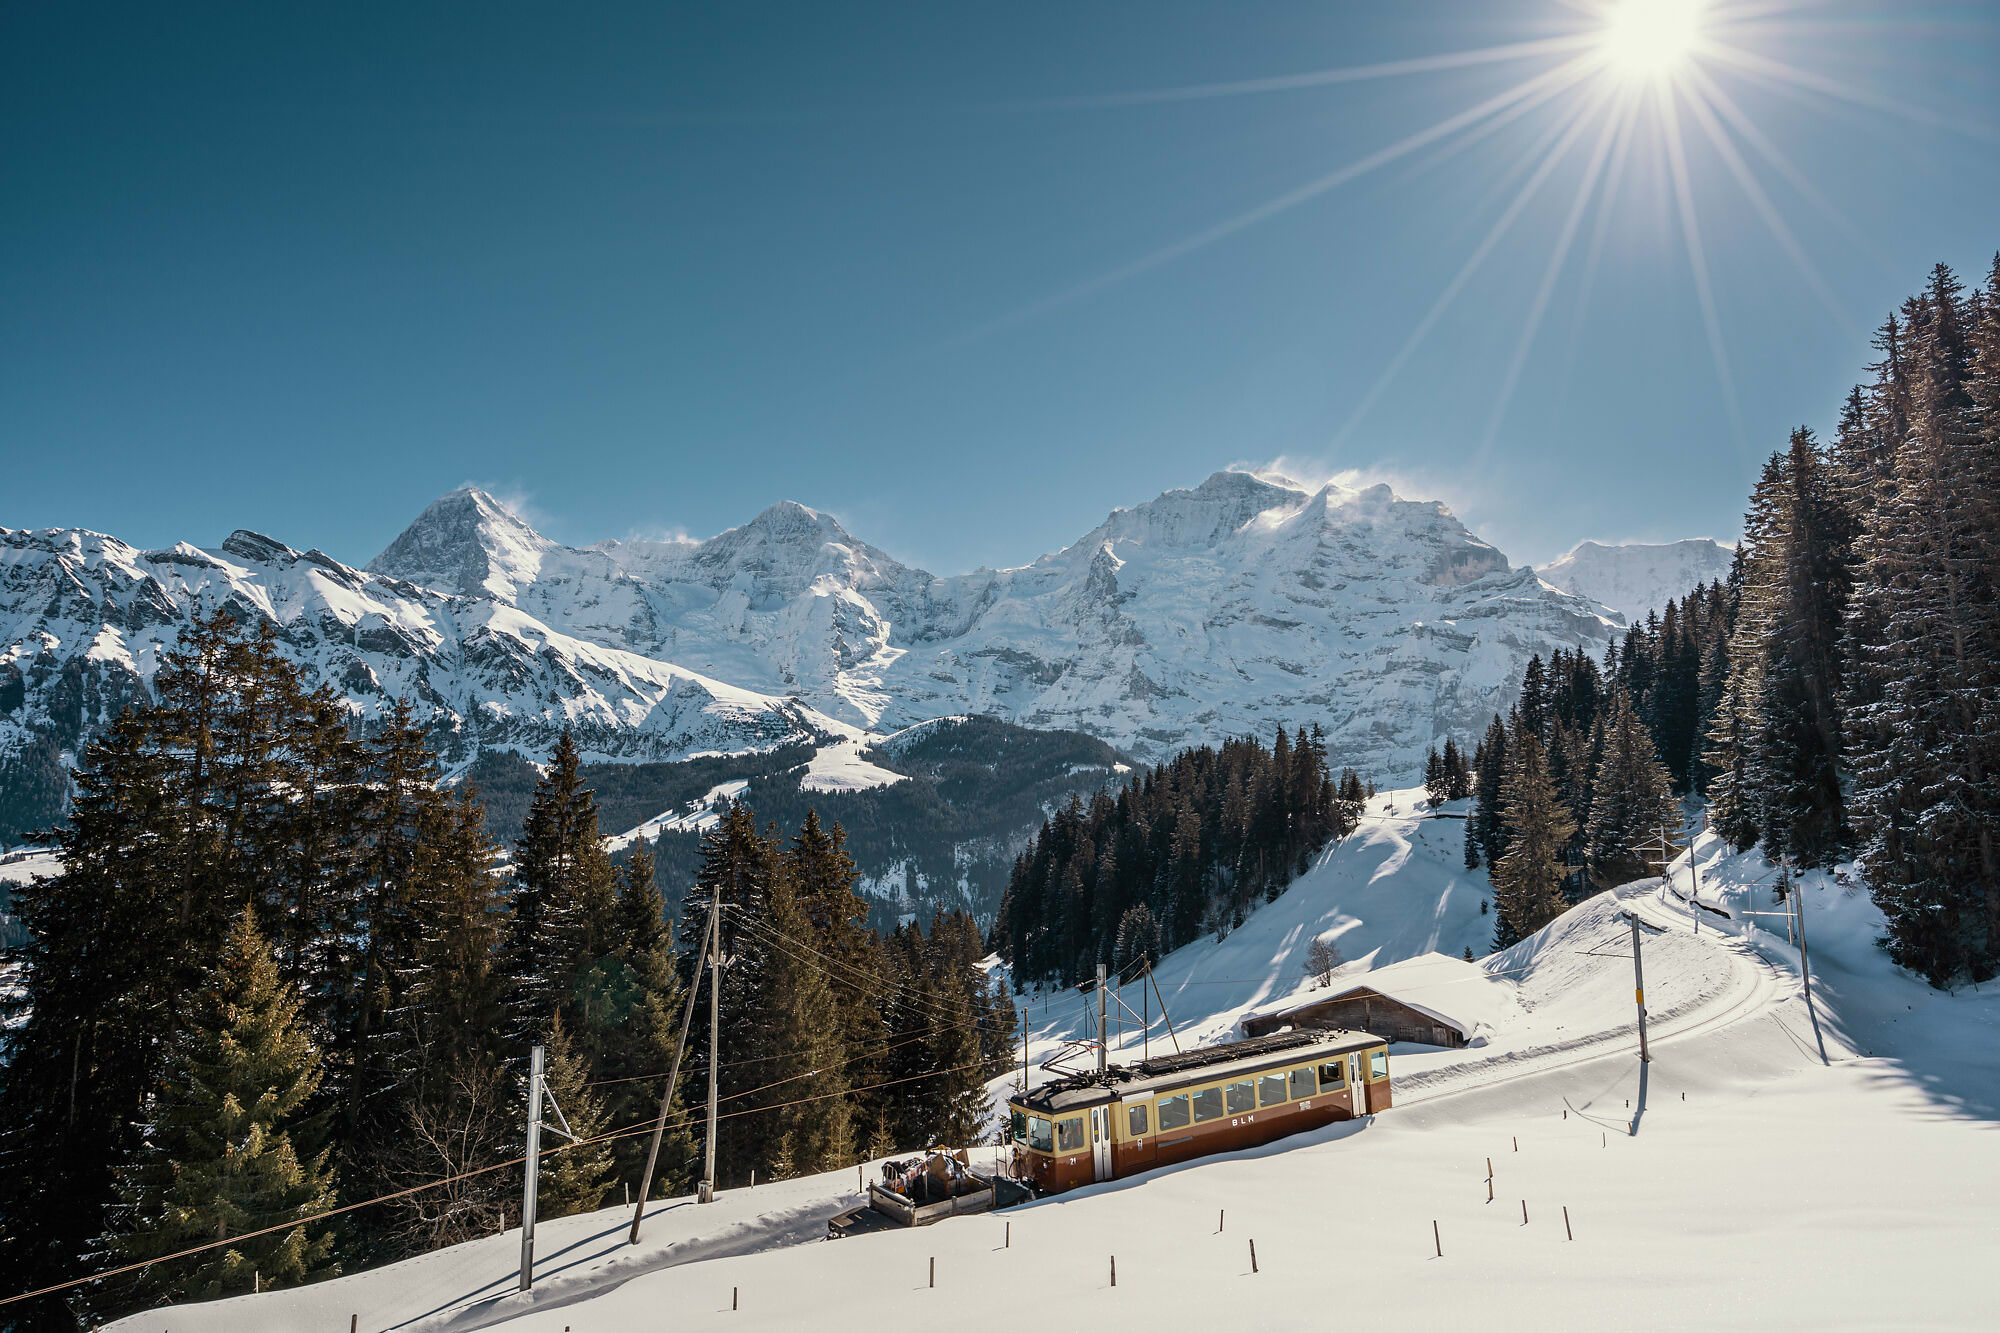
{"x": 1303, "y": 1084}
{"x": 1069, "y": 1134}
{"x": 1378, "y": 1064}
{"x": 1271, "y": 1089}
{"x": 1174, "y": 1113}
{"x": 1135, "y": 1120}
{"x": 1329, "y": 1076}
{"x": 1041, "y": 1134}
{"x": 1020, "y": 1126}
{"x": 1208, "y": 1105}
{"x": 1242, "y": 1097}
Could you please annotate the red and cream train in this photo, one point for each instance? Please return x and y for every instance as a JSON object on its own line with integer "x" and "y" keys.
{"x": 1122, "y": 1120}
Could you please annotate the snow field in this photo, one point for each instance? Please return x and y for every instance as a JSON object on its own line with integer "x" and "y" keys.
{"x": 1741, "y": 1180}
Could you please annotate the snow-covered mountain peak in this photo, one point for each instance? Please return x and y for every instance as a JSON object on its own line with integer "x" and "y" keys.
{"x": 468, "y": 543}
{"x": 1197, "y": 517}
{"x": 1638, "y": 577}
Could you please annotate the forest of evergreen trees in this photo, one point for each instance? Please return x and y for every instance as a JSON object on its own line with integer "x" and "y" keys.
{"x": 283, "y": 970}
{"x": 1839, "y": 696}
{"x": 1184, "y": 848}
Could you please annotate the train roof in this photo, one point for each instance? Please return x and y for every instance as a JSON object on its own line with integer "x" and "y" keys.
{"x": 1186, "y": 1068}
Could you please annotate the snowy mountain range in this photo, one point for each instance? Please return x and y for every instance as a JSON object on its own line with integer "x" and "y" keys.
{"x": 1233, "y": 606}
{"x": 1637, "y": 578}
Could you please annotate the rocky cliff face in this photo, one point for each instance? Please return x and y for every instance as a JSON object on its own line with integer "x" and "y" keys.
{"x": 1237, "y": 605}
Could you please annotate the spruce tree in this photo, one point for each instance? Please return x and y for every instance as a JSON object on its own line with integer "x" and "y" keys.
{"x": 218, "y": 1157}
{"x": 1633, "y": 801}
{"x": 1527, "y": 881}
{"x": 575, "y": 1177}
{"x": 562, "y": 937}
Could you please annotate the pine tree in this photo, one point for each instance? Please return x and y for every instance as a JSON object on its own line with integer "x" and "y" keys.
{"x": 800, "y": 1039}
{"x": 218, "y": 1158}
{"x": 1527, "y": 881}
{"x": 1633, "y": 800}
{"x": 575, "y": 1177}
{"x": 1486, "y": 822}
{"x": 562, "y": 936}
{"x": 1801, "y": 576}
{"x": 1924, "y": 651}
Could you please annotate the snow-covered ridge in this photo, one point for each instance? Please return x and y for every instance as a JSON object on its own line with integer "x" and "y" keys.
{"x": 1232, "y": 606}
{"x": 84, "y": 619}
{"x": 1637, "y": 578}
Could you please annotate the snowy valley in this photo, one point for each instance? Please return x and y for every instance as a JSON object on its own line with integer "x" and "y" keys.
{"x": 1737, "y": 1180}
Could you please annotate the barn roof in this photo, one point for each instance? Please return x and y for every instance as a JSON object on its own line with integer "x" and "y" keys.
{"x": 1444, "y": 989}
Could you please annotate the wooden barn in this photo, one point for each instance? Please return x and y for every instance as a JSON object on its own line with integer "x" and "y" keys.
{"x": 1365, "y": 1008}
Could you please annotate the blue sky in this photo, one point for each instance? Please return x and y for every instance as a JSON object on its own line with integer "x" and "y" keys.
{"x": 931, "y": 269}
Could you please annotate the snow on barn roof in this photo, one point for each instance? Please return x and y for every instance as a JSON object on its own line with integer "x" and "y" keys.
{"x": 1462, "y": 995}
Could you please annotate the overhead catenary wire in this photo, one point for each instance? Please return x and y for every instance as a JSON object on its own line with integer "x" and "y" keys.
{"x": 768, "y": 935}
{"x": 643, "y": 1128}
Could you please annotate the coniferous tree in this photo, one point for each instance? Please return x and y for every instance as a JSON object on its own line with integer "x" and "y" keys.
{"x": 575, "y": 1176}
{"x": 1486, "y": 823}
{"x": 1527, "y": 880}
{"x": 1924, "y": 647}
{"x": 218, "y": 1157}
{"x": 562, "y": 937}
{"x": 1633, "y": 800}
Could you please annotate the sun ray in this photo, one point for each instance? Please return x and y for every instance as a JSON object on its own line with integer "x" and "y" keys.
{"x": 1523, "y": 162}
{"x": 1697, "y": 258}
{"x": 1494, "y": 125}
{"x": 1586, "y": 191}
{"x": 1465, "y": 272}
{"x": 1388, "y": 69}
{"x": 1747, "y": 130}
{"x": 1765, "y": 209}
{"x": 1312, "y": 189}
{"x": 1621, "y": 154}
{"x": 1751, "y": 62}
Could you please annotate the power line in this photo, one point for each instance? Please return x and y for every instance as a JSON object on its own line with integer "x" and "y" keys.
{"x": 643, "y": 1128}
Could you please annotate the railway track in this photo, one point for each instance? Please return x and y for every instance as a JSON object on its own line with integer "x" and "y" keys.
{"x": 1760, "y": 985}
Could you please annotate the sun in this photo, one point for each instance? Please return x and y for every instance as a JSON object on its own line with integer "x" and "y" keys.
{"x": 1650, "y": 39}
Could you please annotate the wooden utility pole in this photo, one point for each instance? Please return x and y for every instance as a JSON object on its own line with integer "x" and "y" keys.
{"x": 1638, "y": 992}
{"x": 1795, "y": 891}
{"x": 708, "y": 943}
{"x": 531, "y": 1177}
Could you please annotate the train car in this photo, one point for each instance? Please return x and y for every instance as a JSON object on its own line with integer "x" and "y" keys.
{"x": 1121, "y": 1120}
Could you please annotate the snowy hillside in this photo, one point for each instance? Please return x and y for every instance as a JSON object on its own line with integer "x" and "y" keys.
{"x": 1636, "y": 577}
{"x": 1741, "y": 1179}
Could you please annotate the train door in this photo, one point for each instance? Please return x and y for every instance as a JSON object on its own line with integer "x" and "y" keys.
{"x": 1357, "y": 1084}
{"x": 1100, "y": 1142}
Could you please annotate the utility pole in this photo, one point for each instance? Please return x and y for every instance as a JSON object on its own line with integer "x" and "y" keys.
{"x": 531, "y": 1180}
{"x": 1639, "y": 989}
{"x": 708, "y": 944}
{"x": 1025, "y": 1047}
{"x": 714, "y": 1043}
{"x": 1795, "y": 891}
{"x": 1101, "y": 1042}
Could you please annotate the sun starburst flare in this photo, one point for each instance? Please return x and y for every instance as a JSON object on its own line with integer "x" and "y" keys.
{"x": 1635, "y": 71}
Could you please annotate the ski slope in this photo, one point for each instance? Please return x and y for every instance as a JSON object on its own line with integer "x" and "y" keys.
{"x": 1773, "y": 1167}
